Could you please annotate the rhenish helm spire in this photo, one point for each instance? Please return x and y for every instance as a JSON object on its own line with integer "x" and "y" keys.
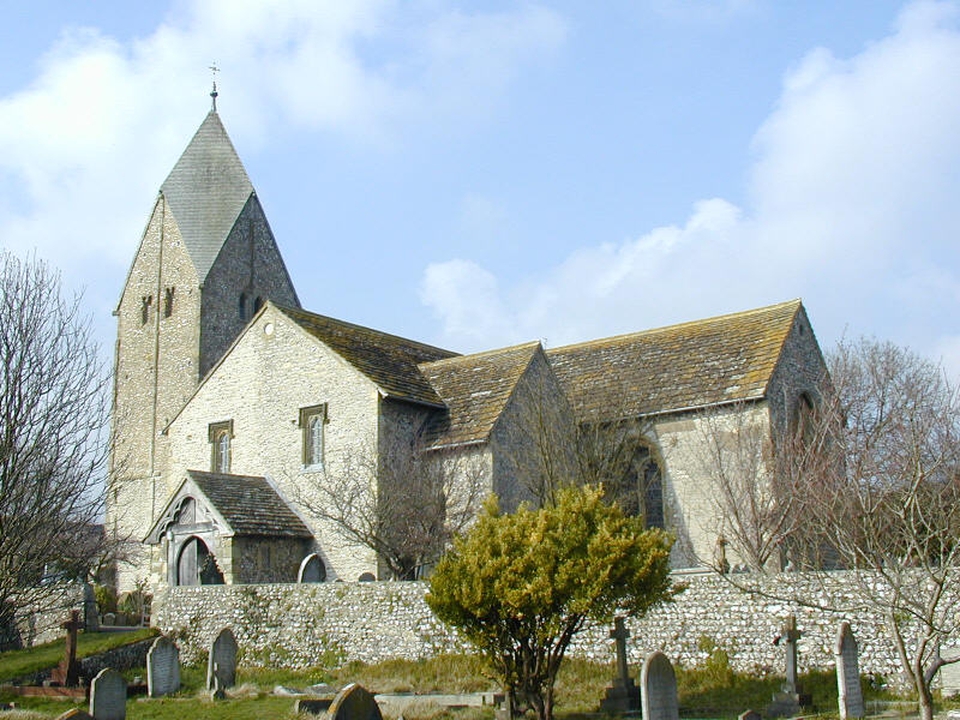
{"x": 213, "y": 93}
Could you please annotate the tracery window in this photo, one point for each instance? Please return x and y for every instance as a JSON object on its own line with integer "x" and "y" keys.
{"x": 312, "y": 420}
{"x": 640, "y": 491}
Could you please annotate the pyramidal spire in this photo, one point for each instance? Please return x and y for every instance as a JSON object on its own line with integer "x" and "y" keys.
{"x": 206, "y": 190}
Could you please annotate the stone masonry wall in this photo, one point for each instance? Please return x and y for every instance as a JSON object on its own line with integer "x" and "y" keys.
{"x": 329, "y": 623}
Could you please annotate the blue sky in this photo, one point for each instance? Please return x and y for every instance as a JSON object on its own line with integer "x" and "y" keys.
{"x": 479, "y": 174}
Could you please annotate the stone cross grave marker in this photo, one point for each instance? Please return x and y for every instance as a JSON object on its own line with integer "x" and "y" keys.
{"x": 789, "y": 635}
{"x": 163, "y": 667}
{"x": 622, "y": 695}
{"x": 108, "y": 696}
{"x": 848, "y": 674}
{"x": 354, "y": 702}
{"x": 222, "y": 664}
{"x": 790, "y": 699}
{"x": 67, "y": 673}
{"x": 658, "y": 689}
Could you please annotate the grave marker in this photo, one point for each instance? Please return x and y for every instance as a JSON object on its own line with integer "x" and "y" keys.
{"x": 658, "y": 689}
{"x": 108, "y": 696}
{"x": 67, "y": 673}
{"x": 850, "y": 695}
{"x": 163, "y": 667}
{"x": 222, "y": 663}
{"x": 790, "y": 699}
{"x": 623, "y": 695}
{"x": 354, "y": 702}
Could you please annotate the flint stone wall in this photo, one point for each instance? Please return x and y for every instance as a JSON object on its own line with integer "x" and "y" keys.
{"x": 325, "y": 623}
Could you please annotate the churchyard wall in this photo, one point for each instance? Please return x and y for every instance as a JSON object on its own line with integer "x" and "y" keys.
{"x": 329, "y": 623}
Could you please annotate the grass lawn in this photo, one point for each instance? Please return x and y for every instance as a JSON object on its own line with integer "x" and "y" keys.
{"x": 710, "y": 691}
{"x": 23, "y": 663}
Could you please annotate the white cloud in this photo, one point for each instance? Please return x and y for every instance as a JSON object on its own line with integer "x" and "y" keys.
{"x": 77, "y": 176}
{"x": 851, "y": 205}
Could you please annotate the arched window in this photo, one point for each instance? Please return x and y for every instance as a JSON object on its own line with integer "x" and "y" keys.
{"x": 312, "y": 570}
{"x": 168, "y": 301}
{"x": 640, "y": 490}
{"x": 220, "y": 437}
{"x": 312, "y": 420}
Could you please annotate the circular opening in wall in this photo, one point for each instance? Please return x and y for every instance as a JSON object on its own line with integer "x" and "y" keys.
{"x": 268, "y": 329}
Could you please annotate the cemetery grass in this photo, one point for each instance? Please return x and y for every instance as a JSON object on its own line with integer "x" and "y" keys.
{"x": 24, "y": 663}
{"x": 712, "y": 690}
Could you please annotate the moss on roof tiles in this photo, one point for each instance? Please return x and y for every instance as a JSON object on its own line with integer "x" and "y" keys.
{"x": 694, "y": 364}
{"x": 390, "y": 362}
{"x": 475, "y": 389}
{"x": 250, "y": 505}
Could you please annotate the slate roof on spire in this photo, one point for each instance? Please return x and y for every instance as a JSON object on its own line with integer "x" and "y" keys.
{"x": 205, "y": 191}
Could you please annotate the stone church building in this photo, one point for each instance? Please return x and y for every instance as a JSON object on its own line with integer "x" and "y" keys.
{"x": 242, "y": 421}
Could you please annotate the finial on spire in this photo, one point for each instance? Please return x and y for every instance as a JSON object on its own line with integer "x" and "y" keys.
{"x": 213, "y": 93}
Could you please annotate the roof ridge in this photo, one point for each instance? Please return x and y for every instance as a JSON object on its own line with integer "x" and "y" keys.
{"x": 796, "y": 302}
{"x": 532, "y": 345}
{"x": 291, "y": 312}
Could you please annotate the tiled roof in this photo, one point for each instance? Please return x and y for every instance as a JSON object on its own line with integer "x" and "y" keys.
{"x": 250, "y": 505}
{"x": 205, "y": 191}
{"x": 695, "y": 364}
{"x": 475, "y": 389}
{"x": 388, "y": 361}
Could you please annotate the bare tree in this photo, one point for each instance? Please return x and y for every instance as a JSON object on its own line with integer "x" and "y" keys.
{"x": 872, "y": 473}
{"x": 878, "y": 472}
{"x": 405, "y": 504}
{"x": 53, "y": 438}
{"x": 754, "y": 512}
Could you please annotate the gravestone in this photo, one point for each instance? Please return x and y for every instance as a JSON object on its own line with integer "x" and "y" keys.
{"x": 790, "y": 699}
{"x": 163, "y": 667}
{"x": 354, "y": 702}
{"x": 222, "y": 663}
{"x": 848, "y": 675}
{"x": 67, "y": 673}
{"x": 108, "y": 696}
{"x": 658, "y": 689}
{"x": 750, "y": 715}
{"x": 950, "y": 674}
{"x": 623, "y": 695}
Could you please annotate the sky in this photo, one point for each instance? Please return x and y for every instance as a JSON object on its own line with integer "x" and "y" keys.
{"x": 474, "y": 175}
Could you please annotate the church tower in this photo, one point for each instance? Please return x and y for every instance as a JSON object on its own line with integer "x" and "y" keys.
{"x": 206, "y": 263}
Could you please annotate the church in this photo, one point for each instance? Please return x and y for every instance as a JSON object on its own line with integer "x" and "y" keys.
{"x": 258, "y": 442}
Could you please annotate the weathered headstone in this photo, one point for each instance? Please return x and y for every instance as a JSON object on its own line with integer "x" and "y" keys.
{"x": 848, "y": 675}
{"x": 108, "y": 696}
{"x": 354, "y": 702}
{"x": 658, "y": 689}
{"x": 163, "y": 667}
{"x": 222, "y": 663}
{"x": 790, "y": 699}
{"x": 623, "y": 695}
{"x": 67, "y": 673}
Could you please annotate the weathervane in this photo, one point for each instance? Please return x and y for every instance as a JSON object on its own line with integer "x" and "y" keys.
{"x": 213, "y": 93}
